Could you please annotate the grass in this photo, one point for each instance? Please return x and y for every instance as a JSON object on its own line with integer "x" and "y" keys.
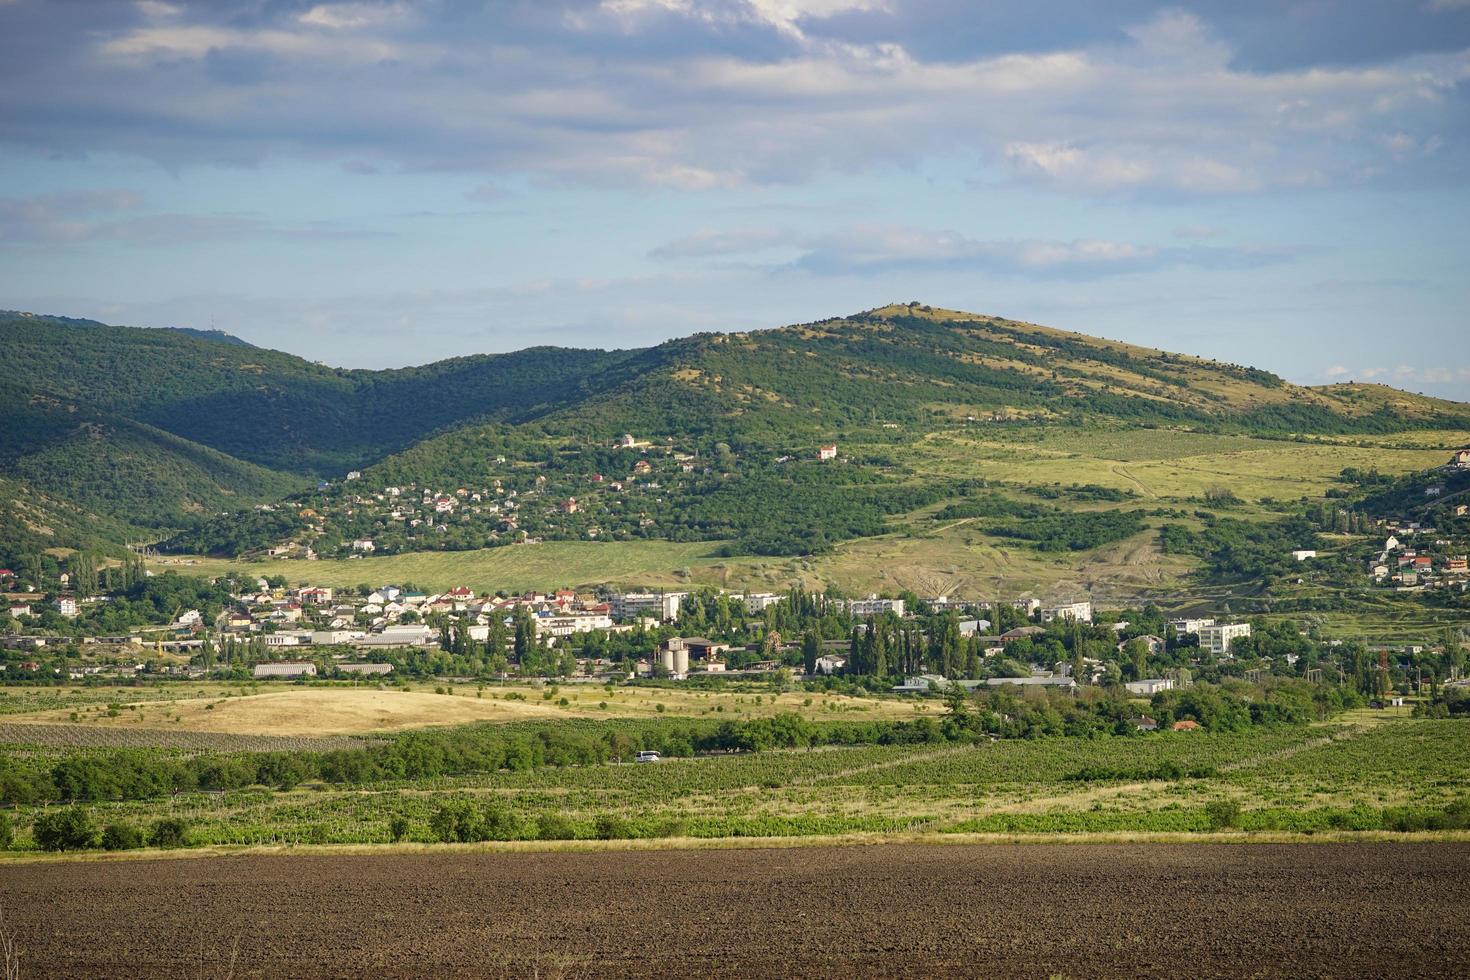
{"x": 289, "y": 710}
{"x": 550, "y": 565}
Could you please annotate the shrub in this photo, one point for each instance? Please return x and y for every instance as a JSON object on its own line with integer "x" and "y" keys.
{"x": 398, "y": 828}
{"x": 456, "y": 821}
{"x": 554, "y": 826}
{"x": 121, "y": 837}
{"x": 1222, "y": 814}
{"x": 610, "y": 826}
{"x": 7, "y": 833}
{"x": 169, "y": 832}
{"x": 65, "y": 830}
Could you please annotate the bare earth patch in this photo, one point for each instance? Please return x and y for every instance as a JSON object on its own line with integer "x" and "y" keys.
{"x": 880, "y": 911}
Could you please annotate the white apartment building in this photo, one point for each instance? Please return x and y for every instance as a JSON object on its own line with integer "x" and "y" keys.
{"x": 874, "y": 606}
{"x": 664, "y": 605}
{"x": 1218, "y": 637}
{"x": 1078, "y": 611}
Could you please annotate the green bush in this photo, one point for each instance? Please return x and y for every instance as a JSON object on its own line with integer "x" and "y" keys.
{"x": 1222, "y": 814}
{"x": 7, "y": 833}
{"x": 456, "y": 822}
{"x": 554, "y": 826}
{"x": 169, "y": 832}
{"x": 398, "y": 828}
{"x": 65, "y": 830}
{"x": 121, "y": 837}
{"x": 610, "y": 826}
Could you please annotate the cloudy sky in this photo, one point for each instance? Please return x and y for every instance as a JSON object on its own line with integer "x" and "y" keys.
{"x": 1275, "y": 182}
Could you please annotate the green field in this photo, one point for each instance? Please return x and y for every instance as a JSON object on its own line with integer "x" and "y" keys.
{"x": 1367, "y": 771}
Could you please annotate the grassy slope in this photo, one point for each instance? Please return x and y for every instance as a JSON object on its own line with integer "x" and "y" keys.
{"x": 1167, "y": 468}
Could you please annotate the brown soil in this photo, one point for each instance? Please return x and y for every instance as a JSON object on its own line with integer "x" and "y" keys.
{"x": 1346, "y": 910}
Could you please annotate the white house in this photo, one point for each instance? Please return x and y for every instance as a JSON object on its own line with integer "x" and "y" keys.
{"x": 1302, "y": 554}
{"x": 1149, "y": 686}
{"x": 825, "y": 453}
{"x": 830, "y": 664}
{"x": 364, "y": 545}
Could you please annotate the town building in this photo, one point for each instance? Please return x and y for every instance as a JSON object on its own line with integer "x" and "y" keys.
{"x": 1078, "y": 611}
{"x": 1218, "y": 637}
{"x": 285, "y": 668}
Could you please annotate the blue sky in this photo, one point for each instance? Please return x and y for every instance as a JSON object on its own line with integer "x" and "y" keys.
{"x": 1276, "y": 183}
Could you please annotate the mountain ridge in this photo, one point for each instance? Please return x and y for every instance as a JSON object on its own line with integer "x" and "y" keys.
{"x": 97, "y": 412}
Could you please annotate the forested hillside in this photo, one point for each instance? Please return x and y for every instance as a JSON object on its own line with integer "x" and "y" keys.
{"x": 271, "y": 408}
{"x": 185, "y": 430}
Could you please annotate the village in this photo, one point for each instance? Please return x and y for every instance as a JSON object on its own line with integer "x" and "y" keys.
{"x": 270, "y": 632}
{"x": 602, "y": 493}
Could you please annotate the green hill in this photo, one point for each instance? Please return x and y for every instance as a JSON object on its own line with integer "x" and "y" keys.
{"x": 113, "y": 466}
{"x": 170, "y": 428}
{"x": 270, "y": 408}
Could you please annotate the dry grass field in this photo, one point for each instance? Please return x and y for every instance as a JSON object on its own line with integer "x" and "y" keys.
{"x": 310, "y": 711}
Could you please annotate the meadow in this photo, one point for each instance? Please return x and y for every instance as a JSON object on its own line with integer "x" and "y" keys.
{"x": 1369, "y": 771}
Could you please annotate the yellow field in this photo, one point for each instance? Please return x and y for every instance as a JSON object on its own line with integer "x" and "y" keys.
{"x": 301, "y": 711}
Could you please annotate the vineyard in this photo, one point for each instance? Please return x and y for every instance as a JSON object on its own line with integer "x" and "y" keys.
{"x": 64, "y": 737}
{"x": 1339, "y": 776}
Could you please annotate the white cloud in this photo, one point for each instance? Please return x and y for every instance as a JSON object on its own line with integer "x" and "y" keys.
{"x": 700, "y": 96}
{"x": 865, "y": 250}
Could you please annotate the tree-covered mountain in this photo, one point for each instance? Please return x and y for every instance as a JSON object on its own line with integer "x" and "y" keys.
{"x": 170, "y": 428}
{"x": 271, "y": 408}
{"x": 114, "y": 466}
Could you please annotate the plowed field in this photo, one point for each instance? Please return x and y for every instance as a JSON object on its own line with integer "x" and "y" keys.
{"x": 1033, "y": 911}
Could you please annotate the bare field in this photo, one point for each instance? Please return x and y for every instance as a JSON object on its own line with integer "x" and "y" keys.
{"x": 308, "y": 711}
{"x": 877, "y": 911}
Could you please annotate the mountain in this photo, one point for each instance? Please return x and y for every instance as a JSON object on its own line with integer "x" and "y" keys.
{"x": 120, "y": 468}
{"x": 271, "y": 408}
{"x": 162, "y": 428}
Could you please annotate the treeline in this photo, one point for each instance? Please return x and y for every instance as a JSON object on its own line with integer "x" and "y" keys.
{"x": 137, "y": 774}
{"x": 1074, "y": 531}
{"x": 1233, "y": 549}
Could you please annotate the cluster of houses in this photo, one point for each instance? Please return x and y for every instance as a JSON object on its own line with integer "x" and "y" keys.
{"x": 520, "y": 506}
{"x": 1415, "y": 568}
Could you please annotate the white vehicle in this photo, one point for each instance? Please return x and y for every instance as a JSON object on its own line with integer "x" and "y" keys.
{"x": 648, "y": 756}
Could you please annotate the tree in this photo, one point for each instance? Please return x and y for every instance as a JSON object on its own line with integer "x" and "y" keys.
{"x": 169, "y": 832}
{"x": 811, "y": 649}
{"x": 65, "y": 830}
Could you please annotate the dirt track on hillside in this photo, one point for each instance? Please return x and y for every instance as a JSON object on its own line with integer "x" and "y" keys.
{"x": 1031, "y": 911}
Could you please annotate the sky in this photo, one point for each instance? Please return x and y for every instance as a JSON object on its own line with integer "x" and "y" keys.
{"x": 1281, "y": 183}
